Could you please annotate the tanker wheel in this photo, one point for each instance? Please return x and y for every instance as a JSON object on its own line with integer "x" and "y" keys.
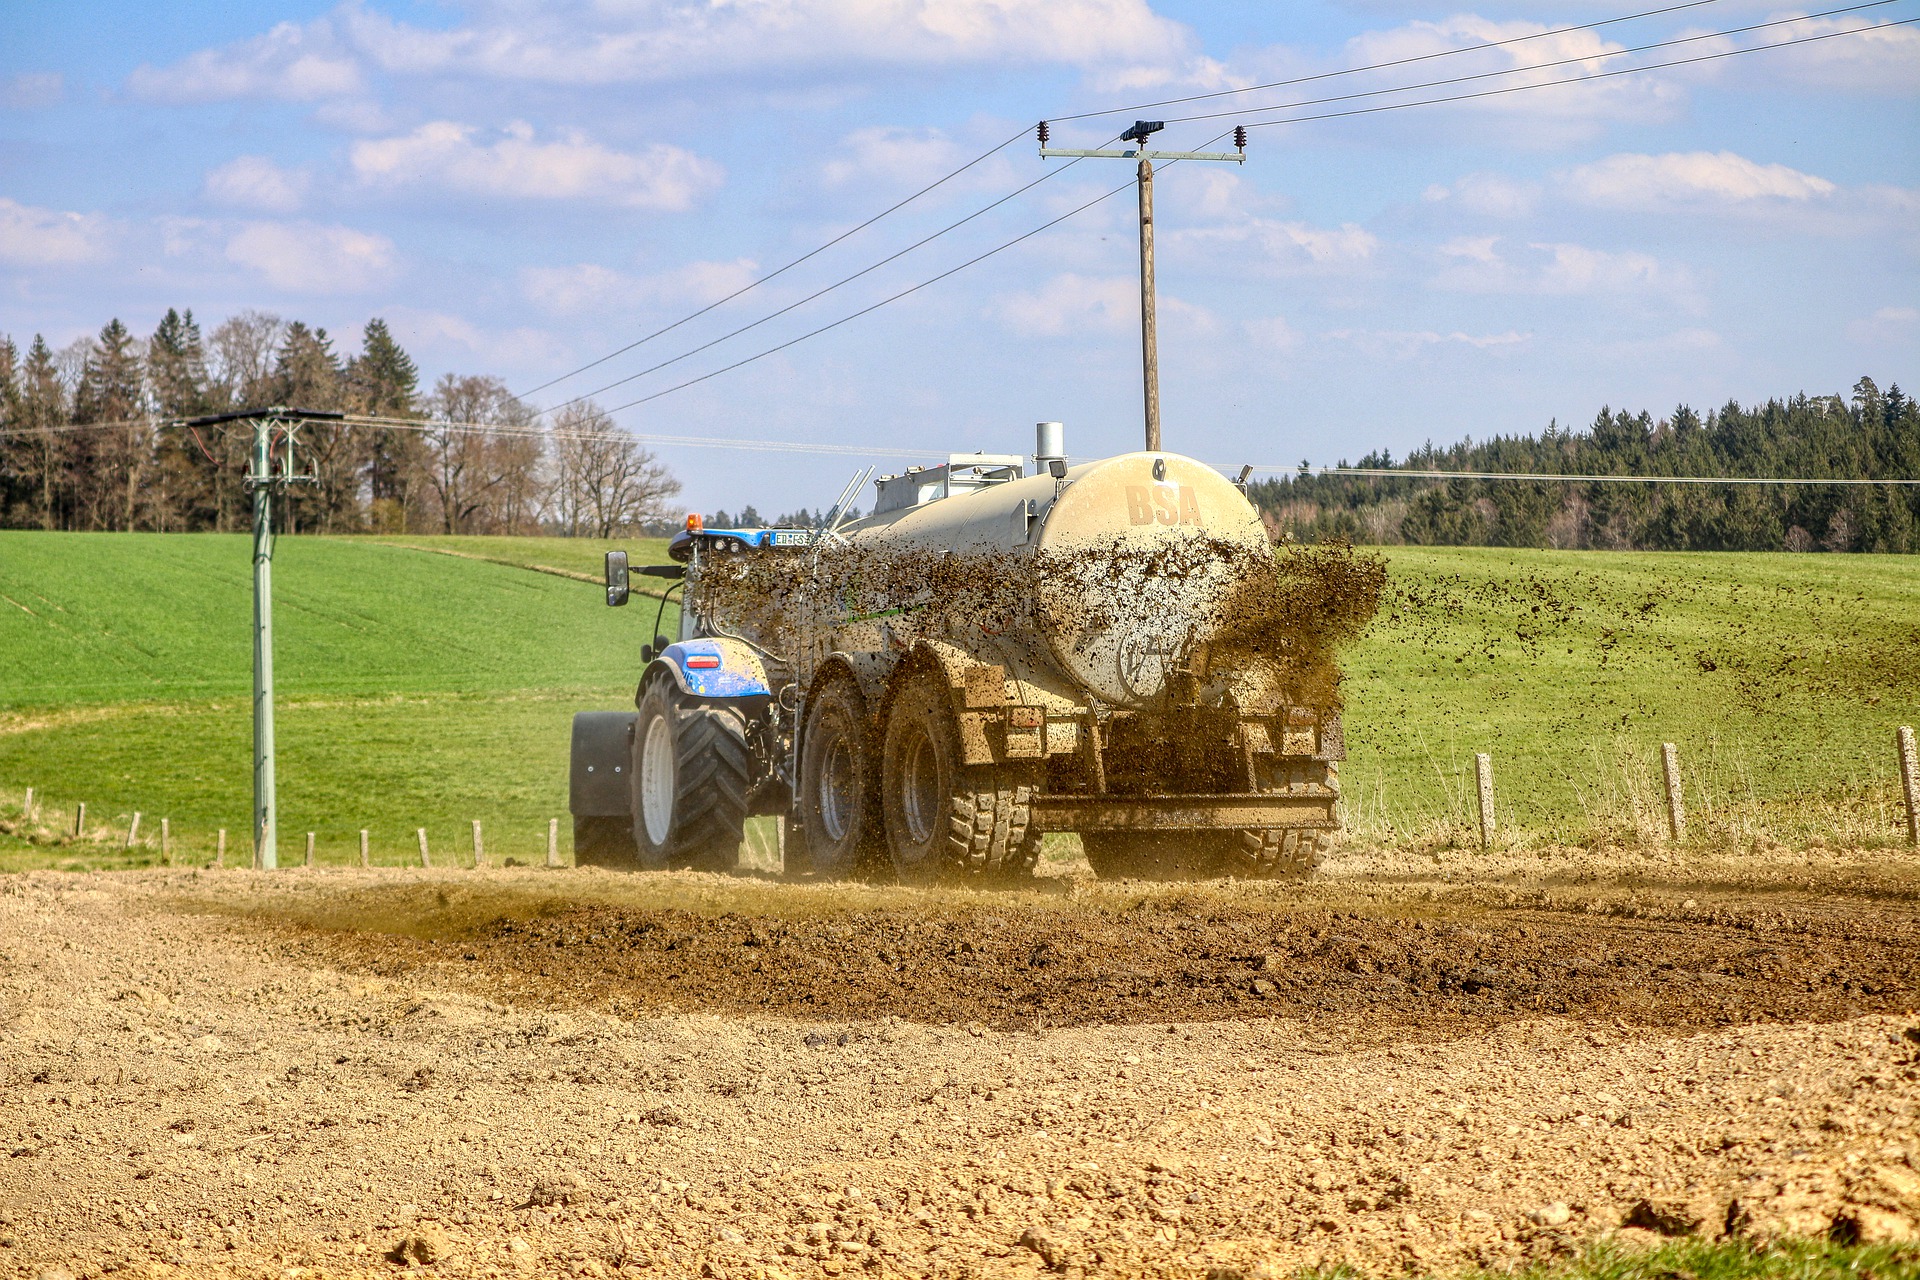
{"x": 946, "y": 820}
{"x": 691, "y": 771}
{"x": 603, "y": 842}
{"x": 1291, "y": 853}
{"x": 839, "y": 783}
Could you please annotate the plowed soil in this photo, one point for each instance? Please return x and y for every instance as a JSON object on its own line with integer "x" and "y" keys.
{"x": 519, "y": 1072}
{"x": 1446, "y": 967}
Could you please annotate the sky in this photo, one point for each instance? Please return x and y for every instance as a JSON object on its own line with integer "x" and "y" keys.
{"x": 520, "y": 189}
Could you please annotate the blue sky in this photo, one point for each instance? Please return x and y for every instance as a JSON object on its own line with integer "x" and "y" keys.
{"x": 519, "y": 189}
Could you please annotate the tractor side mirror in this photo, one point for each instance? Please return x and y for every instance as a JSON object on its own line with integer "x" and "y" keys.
{"x": 660, "y": 644}
{"x": 616, "y": 579}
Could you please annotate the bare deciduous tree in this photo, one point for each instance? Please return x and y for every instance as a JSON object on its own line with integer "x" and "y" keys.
{"x": 604, "y": 483}
{"x": 477, "y": 477}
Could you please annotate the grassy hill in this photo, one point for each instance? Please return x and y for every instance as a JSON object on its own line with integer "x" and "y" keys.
{"x": 430, "y": 681}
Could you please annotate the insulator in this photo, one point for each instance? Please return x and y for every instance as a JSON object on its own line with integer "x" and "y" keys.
{"x": 1240, "y": 137}
{"x": 1045, "y": 134}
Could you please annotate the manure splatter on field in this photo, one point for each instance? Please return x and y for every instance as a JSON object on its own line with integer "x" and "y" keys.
{"x": 1398, "y": 970}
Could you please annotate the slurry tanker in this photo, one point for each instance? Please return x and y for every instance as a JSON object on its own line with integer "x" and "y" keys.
{"x": 1109, "y": 648}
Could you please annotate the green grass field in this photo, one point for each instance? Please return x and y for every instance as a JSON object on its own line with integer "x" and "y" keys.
{"x": 425, "y": 689}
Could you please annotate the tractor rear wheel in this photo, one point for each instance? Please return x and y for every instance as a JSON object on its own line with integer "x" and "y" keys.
{"x": 691, "y": 772}
{"x": 945, "y": 819}
{"x": 839, "y": 783}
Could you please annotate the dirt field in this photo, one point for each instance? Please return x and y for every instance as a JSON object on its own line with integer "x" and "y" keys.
{"x": 526, "y": 1072}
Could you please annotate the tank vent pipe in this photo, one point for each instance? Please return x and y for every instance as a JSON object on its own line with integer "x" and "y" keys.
{"x": 1049, "y": 442}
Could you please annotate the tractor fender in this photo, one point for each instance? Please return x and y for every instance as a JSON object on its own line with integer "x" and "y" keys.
{"x": 738, "y": 673}
{"x": 602, "y": 752}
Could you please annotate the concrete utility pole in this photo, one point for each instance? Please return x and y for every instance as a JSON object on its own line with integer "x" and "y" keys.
{"x": 1149, "y": 321}
{"x": 270, "y": 427}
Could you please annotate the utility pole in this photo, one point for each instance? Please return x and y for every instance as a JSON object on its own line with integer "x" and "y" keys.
{"x": 1149, "y": 321}
{"x": 271, "y": 427}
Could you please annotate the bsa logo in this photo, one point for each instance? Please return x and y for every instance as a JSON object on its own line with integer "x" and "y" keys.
{"x": 1163, "y": 504}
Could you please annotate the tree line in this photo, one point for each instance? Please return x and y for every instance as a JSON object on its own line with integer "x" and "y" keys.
{"x": 1874, "y": 435}
{"x": 88, "y": 439}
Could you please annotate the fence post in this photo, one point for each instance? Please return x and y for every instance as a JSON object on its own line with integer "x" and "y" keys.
{"x": 220, "y": 850}
{"x": 166, "y": 843}
{"x": 1483, "y": 772}
{"x": 553, "y": 842}
{"x": 363, "y": 846}
{"x": 479, "y": 850}
{"x": 1910, "y": 781}
{"x": 1676, "y": 807}
{"x": 425, "y": 861}
{"x": 26, "y": 807}
{"x": 133, "y": 828}
{"x": 309, "y": 848}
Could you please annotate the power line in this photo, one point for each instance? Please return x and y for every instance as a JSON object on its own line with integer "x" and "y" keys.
{"x": 1567, "y": 80}
{"x": 1377, "y": 66}
{"x": 1392, "y": 473}
{"x": 1597, "y": 75}
{"x": 820, "y": 293}
{"x": 811, "y": 333}
{"x": 1380, "y": 66}
{"x": 811, "y": 253}
{"x": 1538, "y": 66}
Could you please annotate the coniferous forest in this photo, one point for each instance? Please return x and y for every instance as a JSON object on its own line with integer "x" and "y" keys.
{"x": 82, "y": 445}
{"x": 81, "y": 448}
{"x": 1874, "y": 434}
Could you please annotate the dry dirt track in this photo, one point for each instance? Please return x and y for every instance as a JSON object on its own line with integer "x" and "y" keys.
{"x": 582, "y": 1073}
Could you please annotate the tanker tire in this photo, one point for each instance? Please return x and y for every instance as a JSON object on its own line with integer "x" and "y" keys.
{"x": 690, "y": 802}
{"x": 946, "y": 820}
{"x": 839, "y": 785}
{"x": 604, "y": 842}
{"x": 1292, "y": 853}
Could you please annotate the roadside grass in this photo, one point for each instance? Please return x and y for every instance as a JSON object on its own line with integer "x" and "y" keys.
{"x": 427, "y": 682}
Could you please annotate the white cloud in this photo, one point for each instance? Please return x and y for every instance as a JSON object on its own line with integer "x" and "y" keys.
{"x": 447, "y": 338}
{"x": 643, "y": 41}
{"x": 894, "y": 156}
{"x": 1491, "y": 194}
{"x": 1285, "y": 244}
{"x": 1881, "y": 59}
{"x": 34, "y": 237}
{"x": 445, "y": 155}
{"x": 1888, "y": 325}
{"x": 1072, "y": 303}
{"x": 1404, "y": 344}
{"x": 31, "y": 89}
{"x": 1273, "y": 333}
{"x": 1477, "y": 264}
{"x": 1690, "y": 179}
{"x": 255, "y": 182}
{"x": 293, "y": 62}
{"x": 587, "y": 286}
{"x": 308, "y": 258}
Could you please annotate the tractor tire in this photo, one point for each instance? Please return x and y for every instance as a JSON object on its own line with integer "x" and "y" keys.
{"x": 946, "y": 820}
{"x": 604, "y": 842}
{"x": 839, "y": 785}
{"x": 691, "y": 772}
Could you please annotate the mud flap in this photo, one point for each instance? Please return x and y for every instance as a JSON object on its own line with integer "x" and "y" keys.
{"x": 598, "y": 786}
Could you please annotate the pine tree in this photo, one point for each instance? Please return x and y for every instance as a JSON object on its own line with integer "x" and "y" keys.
{"x": 384, "y": 381}
{"x": 112, "y": 392}
{"x": 181, "y": 388}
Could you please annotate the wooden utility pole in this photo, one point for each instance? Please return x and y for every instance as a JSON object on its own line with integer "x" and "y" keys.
{"x": 1149, "y": 320}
